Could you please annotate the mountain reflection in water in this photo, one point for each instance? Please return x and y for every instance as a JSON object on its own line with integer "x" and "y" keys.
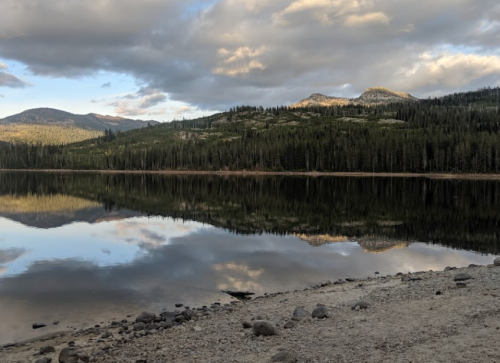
{"x": 82, "y": 248}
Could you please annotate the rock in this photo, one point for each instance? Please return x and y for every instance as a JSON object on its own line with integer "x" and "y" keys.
{"x": 461, "y": 285}
{"x": 301, "y": 313}
{"x": 197, "y": 329}
{"x": 325, "y": 283}
{"x": 264, "y": 328}
{"x": 246, "y": 325}
{"x": 473, "y": 265}
{"x": 38, "y": 325}
{"x": 350, "y": 279}
{"x": 44, "y": 360}
{"x": 71, "y": 355}
{"x": 359, "y": 305}
{"x": 188, "y": 314}
{"x": 179, "y": 318}
{"x": 284, "y": 357}
{"x": 242, "y": 295}
{"x": 145, "y": 317}
{"x": 289, "y": 325}
{"x": 139, "y": 326}
{"x": 179, "y": 305}
{"x": 449, "y": 268}
{"x": 47, "y": 349}
{"x": 439, "y": 292}
{"x": 497, "y": 262}
{"x": 462, "y": 277}
{"x": 320, "y": 312}
{"x": 377, "y": 273}
{"x": 106, "y": 335}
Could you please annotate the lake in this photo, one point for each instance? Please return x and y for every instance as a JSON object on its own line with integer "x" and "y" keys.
{"x": 82, "y": 249}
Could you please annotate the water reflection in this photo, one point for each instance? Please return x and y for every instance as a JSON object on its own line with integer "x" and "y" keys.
{"x": 80, "y": 249}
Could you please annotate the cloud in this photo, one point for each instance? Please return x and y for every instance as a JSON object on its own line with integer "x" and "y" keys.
{"x": 140, "y": 103}
{"x": 9, "y": 80}
{"x": 215, "y": 54}
{"x": 106, "y": 85}
{"x": 370, "y": 18}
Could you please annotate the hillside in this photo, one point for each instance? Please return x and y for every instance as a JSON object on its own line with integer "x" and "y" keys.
{"x": 372, "y": 96}
{"x": 53, "y": 127}
{"x": 453, "y": 134}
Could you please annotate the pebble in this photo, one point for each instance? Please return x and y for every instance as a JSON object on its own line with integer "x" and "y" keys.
{"x": 359, "y": 305}
{"x": 38, "y": 325}
{"x": 289, "y": 325}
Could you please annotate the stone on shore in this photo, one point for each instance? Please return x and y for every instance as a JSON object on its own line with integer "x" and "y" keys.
{"x": 284, "y": 357}
{"x": 145, "y": 317}
{"x": 264, "y": 328}
{"x": 47, "y": 349}
{"x": 44, "y": 360}
{"x": 359, "y": 305}
{"x": 301, "y": 313}
{"x": 497, "y": 262}
{"x": 72, "y": 355}
{"x": 462, "y": 277}
{"x": 320, "y": 312}
{"x": 38, "y": 325}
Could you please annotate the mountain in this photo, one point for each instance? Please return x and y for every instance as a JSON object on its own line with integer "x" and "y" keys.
{"x": 51, "y": 126}
{"x": 372, "y": 96}
{"x": 91, "y": 121}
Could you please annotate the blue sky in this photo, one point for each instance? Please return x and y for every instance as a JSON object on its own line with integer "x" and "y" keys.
{"x": 169, "y": 59}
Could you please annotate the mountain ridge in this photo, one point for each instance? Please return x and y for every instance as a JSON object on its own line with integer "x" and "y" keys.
{"x": 371, "y": 96}
{"x": 90, "y": 121}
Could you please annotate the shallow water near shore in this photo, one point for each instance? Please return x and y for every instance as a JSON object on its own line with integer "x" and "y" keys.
{"x": 81, "y": 249}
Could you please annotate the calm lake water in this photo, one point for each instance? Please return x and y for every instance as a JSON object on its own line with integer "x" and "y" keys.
{"x": 84, "y": 248}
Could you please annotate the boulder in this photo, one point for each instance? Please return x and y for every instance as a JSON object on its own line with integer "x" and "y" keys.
{"x": 145, "y": 317}
{"x": 320, "y": 312}
{"x": 264, "y": 328}
{"x": 497, "y": 262}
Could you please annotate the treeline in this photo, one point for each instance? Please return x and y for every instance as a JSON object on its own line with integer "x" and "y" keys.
{"x": 455, "y": 134}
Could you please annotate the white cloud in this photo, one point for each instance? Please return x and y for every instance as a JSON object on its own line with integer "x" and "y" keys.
{"x": 369, "y": 18}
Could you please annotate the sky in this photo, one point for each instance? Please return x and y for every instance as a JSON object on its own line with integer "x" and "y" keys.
{"x": 174, "y": 59}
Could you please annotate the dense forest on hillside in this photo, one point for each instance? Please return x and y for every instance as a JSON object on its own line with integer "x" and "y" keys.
{"x": 458, "y": 133}
{"x": 460, "y": 214}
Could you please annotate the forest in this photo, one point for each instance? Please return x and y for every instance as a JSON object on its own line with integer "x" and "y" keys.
{"x": 458, "y": 133}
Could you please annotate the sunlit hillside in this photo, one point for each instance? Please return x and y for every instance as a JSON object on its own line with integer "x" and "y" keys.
{"x": 45, "y": 134}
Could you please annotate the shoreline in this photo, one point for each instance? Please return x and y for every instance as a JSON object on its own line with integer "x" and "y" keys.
{"x": 440, "y": 316}
{"x": 437, "y": 176}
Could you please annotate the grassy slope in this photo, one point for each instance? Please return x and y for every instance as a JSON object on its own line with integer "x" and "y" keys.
{"x": 45, "y": 134}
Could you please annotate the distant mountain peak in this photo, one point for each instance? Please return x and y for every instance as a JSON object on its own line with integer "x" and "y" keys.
{"x": 373, "y": 95}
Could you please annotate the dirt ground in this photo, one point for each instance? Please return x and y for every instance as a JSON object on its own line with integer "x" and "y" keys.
{"x": 421, "y": 317}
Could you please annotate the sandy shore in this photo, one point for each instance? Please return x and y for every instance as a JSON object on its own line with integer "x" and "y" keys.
{"x": 420, "y": 317}
{"x": 265, "y": 173}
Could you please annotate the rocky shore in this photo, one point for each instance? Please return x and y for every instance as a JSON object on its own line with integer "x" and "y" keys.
{"x": 433, "y": 316}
